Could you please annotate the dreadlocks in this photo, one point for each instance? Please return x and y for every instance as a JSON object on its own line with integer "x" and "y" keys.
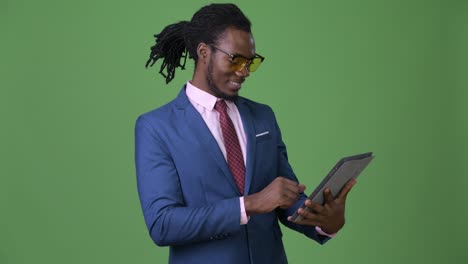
{"x": 179, "y": 40}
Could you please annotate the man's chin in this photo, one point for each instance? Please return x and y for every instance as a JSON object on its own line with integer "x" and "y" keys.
{"x": 226, "y": 96}
{"x": 229, "y": 97}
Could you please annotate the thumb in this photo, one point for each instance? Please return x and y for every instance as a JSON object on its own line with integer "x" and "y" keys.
{"x": 302, "y": 187}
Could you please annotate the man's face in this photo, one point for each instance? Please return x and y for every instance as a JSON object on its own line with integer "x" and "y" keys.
{"x": 222, "y": 80}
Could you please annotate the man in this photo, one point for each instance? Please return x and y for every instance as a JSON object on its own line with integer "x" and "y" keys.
{"x": 212, "y": 169}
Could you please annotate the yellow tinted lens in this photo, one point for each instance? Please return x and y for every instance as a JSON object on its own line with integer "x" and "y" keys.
{"x": 238, "y": 63}
{"x": 255, "y": 64}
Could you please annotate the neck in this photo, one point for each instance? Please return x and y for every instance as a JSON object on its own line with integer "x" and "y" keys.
{"x": 199, "y": 80}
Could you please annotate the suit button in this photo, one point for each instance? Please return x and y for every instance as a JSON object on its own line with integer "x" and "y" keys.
{"x": 211, "y": 237}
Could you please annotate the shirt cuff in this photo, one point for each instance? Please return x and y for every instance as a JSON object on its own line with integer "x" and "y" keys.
{"x": 320, "y": 231}
{"x": 243, "y": 215}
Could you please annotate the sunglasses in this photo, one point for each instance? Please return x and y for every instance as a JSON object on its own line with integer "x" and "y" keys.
{"x": 238, "y": 62}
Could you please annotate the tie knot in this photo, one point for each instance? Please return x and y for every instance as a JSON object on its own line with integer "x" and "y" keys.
{"x": 220, "y": 106}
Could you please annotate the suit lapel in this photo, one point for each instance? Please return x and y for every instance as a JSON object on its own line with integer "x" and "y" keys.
{"x": 248, "y": 123}
{"x": 197, "y": 128}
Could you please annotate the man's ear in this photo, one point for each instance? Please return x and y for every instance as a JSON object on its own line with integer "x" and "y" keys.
{"x": 203, "y": 53}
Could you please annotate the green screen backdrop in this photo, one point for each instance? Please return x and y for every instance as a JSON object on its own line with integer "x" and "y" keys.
{"x": 343, "y": 77}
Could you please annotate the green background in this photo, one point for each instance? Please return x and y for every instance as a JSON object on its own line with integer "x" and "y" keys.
{"x": 343, "y": 77}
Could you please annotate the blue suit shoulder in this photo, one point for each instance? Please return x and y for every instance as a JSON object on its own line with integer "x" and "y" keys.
{"x": 159, "y": 116}
{"x": 160, "y": 112}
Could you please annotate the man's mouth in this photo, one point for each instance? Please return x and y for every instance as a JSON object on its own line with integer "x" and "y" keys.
{"x": 237, "y": 85}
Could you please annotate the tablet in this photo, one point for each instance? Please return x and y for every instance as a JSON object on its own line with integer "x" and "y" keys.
{"x": 345, "y": 169}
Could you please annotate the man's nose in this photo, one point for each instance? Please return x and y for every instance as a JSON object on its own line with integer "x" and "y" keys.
{"x": 244, "y": 72}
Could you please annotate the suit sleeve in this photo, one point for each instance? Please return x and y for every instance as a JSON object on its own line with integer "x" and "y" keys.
{"x": 285, "y": 170}
{"x": 168, "y": 219}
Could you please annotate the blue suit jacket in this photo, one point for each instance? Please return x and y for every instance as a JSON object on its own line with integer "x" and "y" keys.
{"x": 189, "y": 198}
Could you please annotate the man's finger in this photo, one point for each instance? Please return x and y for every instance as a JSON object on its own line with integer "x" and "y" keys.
{"x": 288, "y": 184}
{"x": 315, "y": 207}
{"x": 291, "y": 195}
{"x": 307, "y": 222}
{"x": 344, "y": 192}
{"x": 302, "y": 188}
{"x": 286, "y": 181}
{"x": 328, "y": 196}
{"x": 308, "y": 215}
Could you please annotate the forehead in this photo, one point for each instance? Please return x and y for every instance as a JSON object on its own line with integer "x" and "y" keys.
{"x": 237, "y": 41}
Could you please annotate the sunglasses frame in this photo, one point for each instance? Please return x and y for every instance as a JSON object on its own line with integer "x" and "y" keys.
{"x": 248, "y": 60}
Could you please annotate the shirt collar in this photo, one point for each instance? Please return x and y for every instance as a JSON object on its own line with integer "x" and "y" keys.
{"x": 203, "y": 98}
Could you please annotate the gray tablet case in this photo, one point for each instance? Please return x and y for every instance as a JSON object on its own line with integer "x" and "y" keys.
{"x": 346, "y": 169}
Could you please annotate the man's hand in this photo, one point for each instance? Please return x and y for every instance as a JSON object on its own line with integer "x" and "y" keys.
{"x": 281, "y": 192}
{"x": 329, "y": 217}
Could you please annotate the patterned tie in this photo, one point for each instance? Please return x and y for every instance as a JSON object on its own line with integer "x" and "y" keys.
{"x": 235, "y": 159}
